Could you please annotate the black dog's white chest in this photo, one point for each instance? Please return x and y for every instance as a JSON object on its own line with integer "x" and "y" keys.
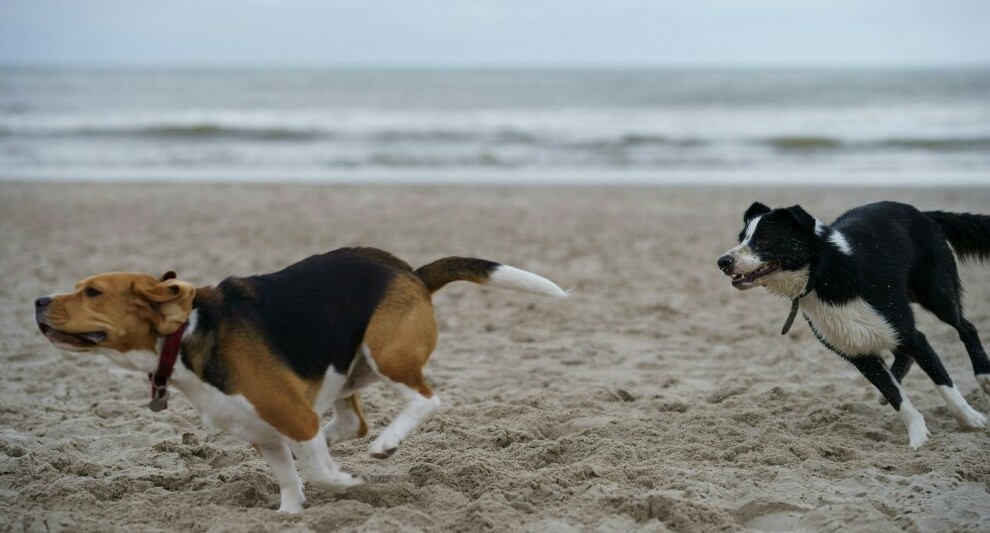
{"x": 851, "y": 328}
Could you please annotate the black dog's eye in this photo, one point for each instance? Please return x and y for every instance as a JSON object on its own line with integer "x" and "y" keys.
{"x": 92, "y": 292}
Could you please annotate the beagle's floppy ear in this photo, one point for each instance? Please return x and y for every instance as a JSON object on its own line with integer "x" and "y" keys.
{"x": 171, "y": 300}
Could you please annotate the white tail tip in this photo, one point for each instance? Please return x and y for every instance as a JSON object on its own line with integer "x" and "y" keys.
{"x": 507, "y": 277}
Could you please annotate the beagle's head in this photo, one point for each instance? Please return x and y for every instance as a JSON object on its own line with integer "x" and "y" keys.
{"x": 122, "y": 311}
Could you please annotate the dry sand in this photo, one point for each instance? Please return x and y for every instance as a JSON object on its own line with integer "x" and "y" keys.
{"x": 656, "y": 398}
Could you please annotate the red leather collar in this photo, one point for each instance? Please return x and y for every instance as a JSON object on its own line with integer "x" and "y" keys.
{"x": 166, "y": 363}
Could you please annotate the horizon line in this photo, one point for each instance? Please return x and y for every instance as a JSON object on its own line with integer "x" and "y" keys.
{"x": 491, "y": 67}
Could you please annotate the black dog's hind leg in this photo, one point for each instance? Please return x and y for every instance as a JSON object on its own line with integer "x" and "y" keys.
{"x": 929, "y": 361}
{"x": 981, "y": 364}
{"x": 950, "y": 312}
{"x": 939, "y": 290}
{"x": 875, "y": 370}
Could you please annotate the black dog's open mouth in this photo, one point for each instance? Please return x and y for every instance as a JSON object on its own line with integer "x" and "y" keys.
{"x": 80, "y": 340}
{"x": 750, "y": 277}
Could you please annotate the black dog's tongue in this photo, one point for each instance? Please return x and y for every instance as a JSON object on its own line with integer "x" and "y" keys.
{"x": 790, "y": 317}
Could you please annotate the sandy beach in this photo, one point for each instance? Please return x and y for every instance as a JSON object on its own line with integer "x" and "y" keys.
{"x": 655, "y": 398}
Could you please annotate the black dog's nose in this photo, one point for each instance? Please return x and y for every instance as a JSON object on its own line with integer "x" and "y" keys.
{"x": 725, "y": 262}
{"x": 42, "y": 302}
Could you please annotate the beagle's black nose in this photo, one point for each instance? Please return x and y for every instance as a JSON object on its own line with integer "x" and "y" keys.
{"x": 725, "y": 262}
{"x": 42, "y": 302}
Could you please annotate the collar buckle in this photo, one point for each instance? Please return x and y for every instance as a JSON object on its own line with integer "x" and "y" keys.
{"x": 159, "y": 397}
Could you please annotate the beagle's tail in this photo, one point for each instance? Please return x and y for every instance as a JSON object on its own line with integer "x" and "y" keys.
{"x": 483, "y": 272}
{"x": 968, "y": 234}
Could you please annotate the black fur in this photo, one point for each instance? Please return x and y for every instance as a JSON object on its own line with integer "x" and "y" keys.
{"x": 899, "y": 256}
{"x": 199, "y": 352}
{"x": 967, "y": 233}
{"x": 784, "y": 236}
{"x": 442, "y": 271}
{"x": 313, "y": 314}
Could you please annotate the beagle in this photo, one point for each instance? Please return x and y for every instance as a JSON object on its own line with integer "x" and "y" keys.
{"x": 262, "y": 357}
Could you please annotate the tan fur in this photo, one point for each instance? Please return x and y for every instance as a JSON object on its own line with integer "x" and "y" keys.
{"x": 403, "y": 332}
{"x": 173, "y": 300}
{"x": 240, "y": 385}
{"x": 278, "y": 395}
{"x": 449, "y": 269}
{"x": 352, "y": 401}
{"x": 133, "y": 309}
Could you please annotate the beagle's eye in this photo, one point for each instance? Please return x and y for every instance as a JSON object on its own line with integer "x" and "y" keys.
{"x": 92, "y": 292}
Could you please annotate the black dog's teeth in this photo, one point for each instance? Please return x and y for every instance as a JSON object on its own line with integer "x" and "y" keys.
{"x": 750, "y": 276}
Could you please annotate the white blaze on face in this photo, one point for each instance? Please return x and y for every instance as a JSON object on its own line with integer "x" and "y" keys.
{"x": 743, "y": 258}
{"x": 787, "y": 283}
{"x": 750, "y": 230}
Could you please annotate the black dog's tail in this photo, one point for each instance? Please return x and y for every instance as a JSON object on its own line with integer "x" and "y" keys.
{"x": 968, "y": 234}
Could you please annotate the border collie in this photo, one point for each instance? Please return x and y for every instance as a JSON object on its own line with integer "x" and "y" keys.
{"x": 854, "y": 281}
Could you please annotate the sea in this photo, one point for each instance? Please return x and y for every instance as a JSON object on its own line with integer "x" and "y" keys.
{"x": 646, "y": 126}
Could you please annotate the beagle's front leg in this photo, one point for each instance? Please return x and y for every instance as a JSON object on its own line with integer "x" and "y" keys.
{"x": 279, "y": 459}
{"x": 318, "y": 467}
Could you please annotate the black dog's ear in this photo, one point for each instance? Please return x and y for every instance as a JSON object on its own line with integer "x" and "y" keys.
{"x": 754, "y": 211}
{"x": 802, "y": 218}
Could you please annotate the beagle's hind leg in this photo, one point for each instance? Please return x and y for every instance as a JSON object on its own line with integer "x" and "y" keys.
{"x": 421, "y": 405}
{"x": 400, "y": 367}
{"x": 400, "y": 338}
{"x": 348, "y": 421}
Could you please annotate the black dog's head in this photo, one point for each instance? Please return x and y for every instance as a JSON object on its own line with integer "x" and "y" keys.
{"x": 775, "y": 250}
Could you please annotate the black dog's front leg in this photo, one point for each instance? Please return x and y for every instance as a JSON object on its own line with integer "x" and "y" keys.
{"x": 875, "y": 370}
{"x": 902, "y": 363}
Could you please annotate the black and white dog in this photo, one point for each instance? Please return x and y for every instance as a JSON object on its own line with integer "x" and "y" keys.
{"x": 854, "y": 281}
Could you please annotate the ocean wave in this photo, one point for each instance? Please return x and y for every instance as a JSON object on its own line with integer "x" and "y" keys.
{"x": 493, "y": 135}
{"x": 815, "y": 143}
{"x": 167, "y": 131}
{"x": 940, "y": 145}
{"x": 804, "y": 143}
{"x": 210, "y": 131}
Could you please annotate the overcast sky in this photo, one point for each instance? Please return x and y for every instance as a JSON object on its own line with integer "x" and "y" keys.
{"x": 495, "y": 33}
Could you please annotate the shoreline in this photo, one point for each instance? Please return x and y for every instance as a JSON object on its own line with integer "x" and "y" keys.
{"x": 525, "y": 178}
